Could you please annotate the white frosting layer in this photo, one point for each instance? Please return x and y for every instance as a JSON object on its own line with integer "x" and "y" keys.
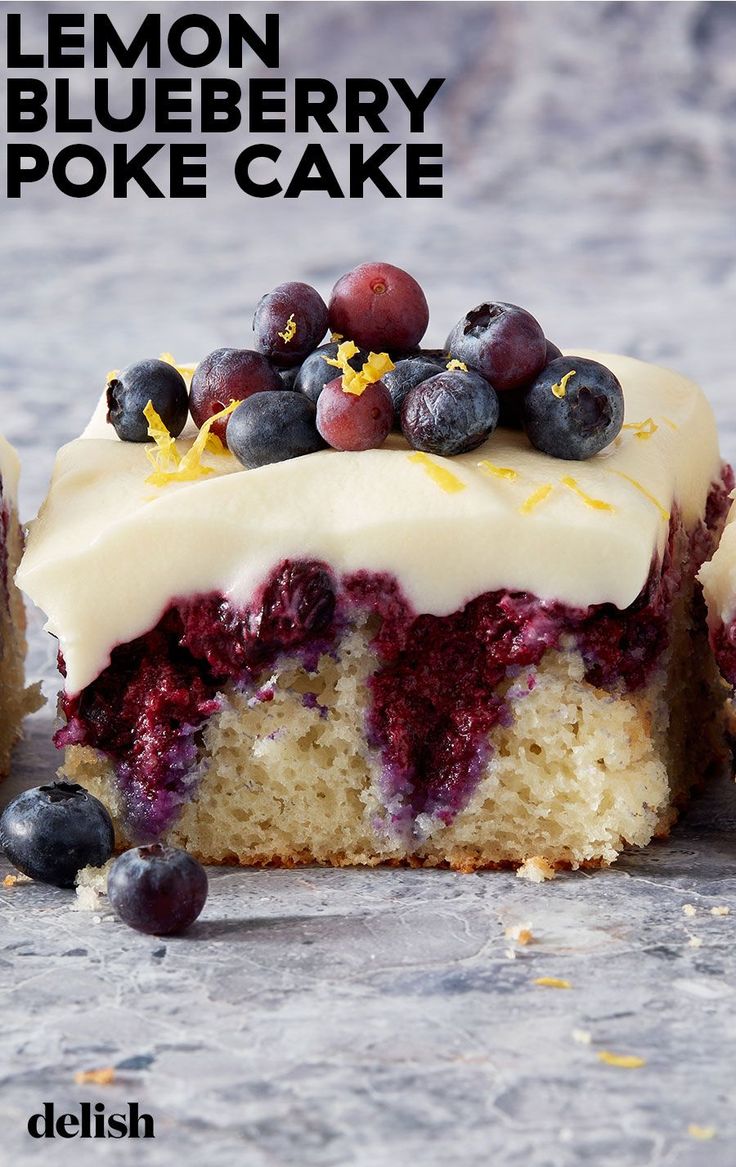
{"x": 9, "y": 471}
{"x": 108, "y": 552}
{"x": 719, "y": 576}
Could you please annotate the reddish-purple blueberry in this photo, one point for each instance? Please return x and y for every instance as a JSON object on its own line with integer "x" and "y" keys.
{"x": 379, "y": 307}
{"x": 350, "y": 422}
{"x": 289, "y": 323}
{"x": 225, "y": 375}
{"x": 503, "y": 342}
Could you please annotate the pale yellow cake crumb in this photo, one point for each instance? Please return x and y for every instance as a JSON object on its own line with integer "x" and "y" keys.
{"x": 695, "y": 942}
{"x": 720, "y": 910}
{"x": 689, "y": 909}
{"x": 102, "y": 1077}
{"x": 91, "y": 886}
{"x": 536, "y": 869}
{"x": 582, "y": 1036}
{"x": 701, "y": 1132}
{"x": 521, "y": 933}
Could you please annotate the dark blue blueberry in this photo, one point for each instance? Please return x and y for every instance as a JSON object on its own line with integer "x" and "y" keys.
{"x": 273, "y": 427}
{"x": 289, "y": 323}
{"x": 552, "y": 352}
{"x": 156, "y": 889}
{"x": 128, "y": 395}
{"x": 405, "y": 375}
{"x": 502, "y": 341}
{"x": 289, "y": 376}
{"x": 315, "y": 372}
{"x": 574, "y": 408}
{"x": 451, "y": 413}
{"x": 52, "y": 832}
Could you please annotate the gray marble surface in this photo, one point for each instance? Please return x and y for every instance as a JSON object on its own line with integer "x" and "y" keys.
{"x": 372, "y": 1018}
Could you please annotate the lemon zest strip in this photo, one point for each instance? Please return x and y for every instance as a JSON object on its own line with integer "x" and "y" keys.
{"x": 444, "y": 478}
{"x": 643, "y": 429}
{"x": 560, "y": 387}
{"x": 552, "y": 983}
{"x": 499, "y": 471}
{"x": 168, "y": 464}
{"x": 336, "y": 337}
{"x": 454, "y": 364}
{"x": 668, "y": 421}
{"x": 597, "y": 504}
{"x": 625, "y": 1061}
{"x": 289, "y": 331}
{"x": 356, "y": 383}
{"x": 664, "y": 514}
{"x": 534, "y": 499}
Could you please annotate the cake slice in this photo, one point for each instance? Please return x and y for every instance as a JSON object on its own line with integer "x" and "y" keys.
{"x": 391, "y": 656}
{"x": 15, "y": 700}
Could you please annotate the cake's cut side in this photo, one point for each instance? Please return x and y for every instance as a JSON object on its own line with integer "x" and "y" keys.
{"x": 15, "y": 700}
{"x": 330, "y": 723}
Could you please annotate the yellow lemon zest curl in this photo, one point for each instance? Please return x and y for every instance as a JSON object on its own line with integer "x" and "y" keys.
{"x": 444, "y": 478}
{"x": 454, "y": 364}
{"x": 289, "y": 331}
{"x": 560, "y": 387}
{"x": 642, "y": 429}
{"x": 171, "y": 466}
{"x": 597, "y": 504}
{"x": 356, "y": 383}
{"x": 498, "y": 471}
{"x": 552, "y": 983}
{"x": 187, "y": 371}
{"x": 534, "y": 499}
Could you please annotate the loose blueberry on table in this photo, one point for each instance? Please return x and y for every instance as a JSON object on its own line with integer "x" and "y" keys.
{"x": 51, "y": 832}
{"x": 156, "y": 889}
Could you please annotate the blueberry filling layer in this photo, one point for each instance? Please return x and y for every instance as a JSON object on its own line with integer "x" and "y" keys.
{"x": 434, "y": 697}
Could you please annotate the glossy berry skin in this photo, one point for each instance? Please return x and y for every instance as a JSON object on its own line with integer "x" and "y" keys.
{"x": 451, "y": 413}
{"x": 552, "y": 352}
{"x": 273, "y": 427}
{"x": 128, "y": 395}
{"x": 156, "y": 889}
{"x": 405, "y": 375}
{"x": 51, "y": 832}
{"x": 503, "y": 342}
{"x": 379, "y": 307}
{"x": 225, "y": 375}
{"x": 309, "y": 312}
{"x": 348, "y": 422}
{"x": 288, "y": 377}
{"x": 315, "y": 372}
{"x": 581, "y": 422}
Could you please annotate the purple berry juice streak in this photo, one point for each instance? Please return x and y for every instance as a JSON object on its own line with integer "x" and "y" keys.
{"x": 434, "y": 697}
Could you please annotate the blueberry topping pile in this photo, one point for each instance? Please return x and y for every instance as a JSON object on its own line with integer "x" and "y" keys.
{"x": 301, "y": 393}
{"x": 51, "y": 832}
{"x": 156, "y": 889}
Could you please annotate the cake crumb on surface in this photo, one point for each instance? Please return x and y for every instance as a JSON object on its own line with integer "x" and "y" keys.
{"x": 700, "y": 1132}
{"x": 536, "y": 869}
{"x": 689, "y": 909}
{"x": 720, "y": 910}
{"x": 91, "y": 886}
{"x": 521, "y": 933}
{"x": 582, "y": 1036}
{"x": 623, "y": 1061}
{"x": 101, "y": 1077}
{"x": 695, "y": 942}
{"x": 12, "y": 880}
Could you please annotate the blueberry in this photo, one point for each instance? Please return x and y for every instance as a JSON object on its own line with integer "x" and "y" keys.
{"x": 52, "y": 832}
{"x": 156, "y": 889}
{"x": 315, "y": 372}
{"x": 552, "y": 352}
{"x": 574, "y": 408}
{"x": 128, "y": 395}
{"x": 502, "y": 341}
{"x": 380, "y": 307}
{"x": 273, "y": 427}
{"x": 451, "y": 413}
{"x": 289, "y": 323}
{"x": 225, "y": 375}
{"x": 354, "y": 423}
{"x": 406, "y": 374}
{"x": 289, "y": 376}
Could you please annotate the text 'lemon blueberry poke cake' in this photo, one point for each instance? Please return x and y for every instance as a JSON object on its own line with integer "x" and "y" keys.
{"x": 15, "y": 700}
{"x": 429, "y": 607}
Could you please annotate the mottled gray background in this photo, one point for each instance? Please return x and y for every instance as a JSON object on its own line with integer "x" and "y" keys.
{"x": 374, "y": 1018}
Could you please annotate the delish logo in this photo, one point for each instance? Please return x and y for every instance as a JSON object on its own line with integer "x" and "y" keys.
{"x": 92, "y": 1122}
